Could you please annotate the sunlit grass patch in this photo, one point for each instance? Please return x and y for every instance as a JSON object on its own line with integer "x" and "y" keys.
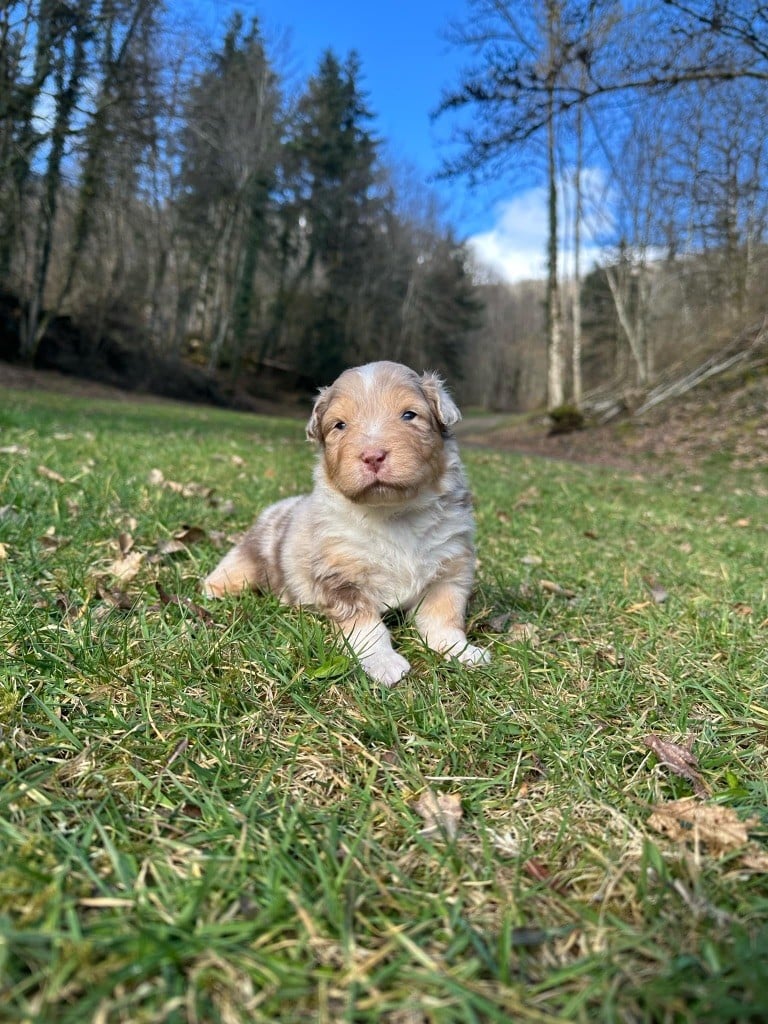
{"x": 208, "y": 813}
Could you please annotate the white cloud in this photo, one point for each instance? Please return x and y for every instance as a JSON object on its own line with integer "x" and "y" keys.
{"x": 515, "y": 247}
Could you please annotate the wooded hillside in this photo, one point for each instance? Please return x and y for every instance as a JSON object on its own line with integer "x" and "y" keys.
{"x": 172, "y": 207}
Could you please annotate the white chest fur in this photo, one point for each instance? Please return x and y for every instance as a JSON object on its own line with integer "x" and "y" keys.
{"x": 394, "y": 555}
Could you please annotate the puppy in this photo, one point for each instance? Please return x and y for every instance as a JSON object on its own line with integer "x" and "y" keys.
{"x": 388, "y": 524}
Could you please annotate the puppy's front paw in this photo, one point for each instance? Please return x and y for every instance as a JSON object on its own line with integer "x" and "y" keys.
{"x": 471, "y": 655}
{"x": 386, "y": 667}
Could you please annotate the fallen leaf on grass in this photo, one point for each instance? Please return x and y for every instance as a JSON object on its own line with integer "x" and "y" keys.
{"x": 71, "y": 610}
{"x": 756, "y": 860}
{"x": 125, "y": 543}
{"x": 190, "y": 534}
{"x": 531, "y": 560}
{"x": 680, "y": 760}
{"x": 226, "y": 508}
{"x": 526, "y": 499}
{"x": 517, "y": 631}
{"x": 522, "y": 632}
{"x": 116, "y": 598}
{"x": 14, "y": 449}
{"x": 744, "y": 610}
{"x": 181, "y": 540}
{"x": 51, "y": 541}
{"x": 610, "y": 656}
{"x": 441, "y": 812}
{"x": 157, "y": 478}
{"x": 190, "y": 490}
{"x": 185, "y": 602}
{"x": 3, "y": 551}
{"x": 51, "y": 474}
{"x": 550, "y": 587}
{"x": 719, "y": 828}
{"x": 125, "y": 568}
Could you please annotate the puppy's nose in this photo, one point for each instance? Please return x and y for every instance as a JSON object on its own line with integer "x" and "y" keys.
{"x": 373, "y": 457}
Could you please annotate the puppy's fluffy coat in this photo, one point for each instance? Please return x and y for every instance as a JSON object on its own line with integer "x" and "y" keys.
{"x": 388, "y": 524}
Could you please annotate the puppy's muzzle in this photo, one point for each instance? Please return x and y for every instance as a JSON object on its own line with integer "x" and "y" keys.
{"x": 374, "y": 458}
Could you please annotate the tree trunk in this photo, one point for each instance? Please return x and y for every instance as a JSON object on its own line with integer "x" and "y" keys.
{"x": 555, "y": 354}
{"x": 578, "y": 394}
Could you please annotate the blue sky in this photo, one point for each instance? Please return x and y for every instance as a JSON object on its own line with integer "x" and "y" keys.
{"x": 406, "y": 63}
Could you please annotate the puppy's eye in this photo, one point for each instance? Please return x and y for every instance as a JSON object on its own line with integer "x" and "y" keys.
{"x": 409, "y": 414}
{"x": 340, "y": 425}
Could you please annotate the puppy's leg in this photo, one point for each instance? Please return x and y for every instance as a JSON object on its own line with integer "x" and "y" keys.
{"x": 370, "y": 640}
{"x": 440, "y": 621}
{"x": 255, "y": 563}
{"x": 240, "y": 569}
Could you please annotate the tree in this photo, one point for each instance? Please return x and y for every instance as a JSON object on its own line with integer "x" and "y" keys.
{"x": 333, "y": 207}
{"x": 230, "y": 149}
{"x": 529, "y": 58}
{"x": 65, "y": 32}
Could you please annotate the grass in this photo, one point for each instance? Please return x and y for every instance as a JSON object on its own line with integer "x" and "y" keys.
{"x": 212, "y": 819}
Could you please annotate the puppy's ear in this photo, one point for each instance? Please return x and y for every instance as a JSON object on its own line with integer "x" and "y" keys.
{"x": 313, "y": 426}
{"x": 443, "y": 406}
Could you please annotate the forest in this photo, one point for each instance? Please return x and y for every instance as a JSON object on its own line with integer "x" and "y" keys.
{"x": 173, "y": 206}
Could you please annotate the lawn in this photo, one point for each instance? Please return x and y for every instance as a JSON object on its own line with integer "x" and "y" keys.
{"x": 207, "y": 814}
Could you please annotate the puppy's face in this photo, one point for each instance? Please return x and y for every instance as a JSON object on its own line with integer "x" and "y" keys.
{"x": 381, "y": 428}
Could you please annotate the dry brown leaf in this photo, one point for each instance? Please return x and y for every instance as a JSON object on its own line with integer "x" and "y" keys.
{"x": 522, "y": 632}
{"x": 610, "y": 656}
{"x": 181, "y": 540}
{"x": 719, "y": 828}
{"x": 536, "y": 869}
{"x": 441, "y": 813}
{"x": 51, "y": 474}
{"x": 170, "y": 546}
{"x": 680, "y": 760}
{"x": 190, "y": 534}
{"x": 499, "y": 623}
{"x": 185, "y": 602}
{"x": 190, "y": 490}
{"x": 227, "y": 508}
{"x": 755, "y": 860}
{"x": 527, "y": 498}
{"x": 69, "y": 608}
{"x": 124, "y": 569}
{"x": 51, "y": 541}
{"x": 116, "y": 598}
{"x": 3, "y": 551}
{"x": 550, "y": 587}
{"x": 125, "y": 543}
